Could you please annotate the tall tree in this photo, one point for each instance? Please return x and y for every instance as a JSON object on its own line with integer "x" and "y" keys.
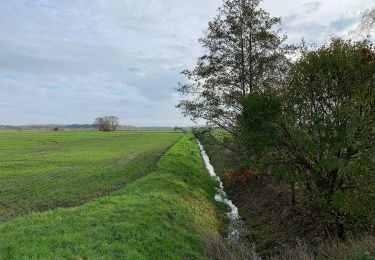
{"x": 242, "y": 56}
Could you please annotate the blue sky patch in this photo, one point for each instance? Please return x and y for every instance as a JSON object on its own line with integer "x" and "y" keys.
{"x": 134, "y": 69}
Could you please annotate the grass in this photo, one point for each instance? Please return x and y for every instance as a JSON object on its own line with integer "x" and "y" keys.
{"x": 166, "y": 214}
{"x": 40, "y": 171}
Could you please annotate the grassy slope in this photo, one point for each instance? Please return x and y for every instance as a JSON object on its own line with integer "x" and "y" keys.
{"x": 44, "y": 170}
{"x": 161, "y": 216}
{"x": 265, "y": 208}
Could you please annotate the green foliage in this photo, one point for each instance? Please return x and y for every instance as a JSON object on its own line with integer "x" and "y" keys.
{"x": 164, "y": 215}
{"x": 329, "y": 121}
{"x": 318, "y": 130}
{"x": 257, "y": 131}
{"x": 257, "y": 121}
{"x": 310, "y": 122}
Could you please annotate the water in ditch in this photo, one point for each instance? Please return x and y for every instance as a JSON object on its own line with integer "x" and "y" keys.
{"x": 236, "y": 229}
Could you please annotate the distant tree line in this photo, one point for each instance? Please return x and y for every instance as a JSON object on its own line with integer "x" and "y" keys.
{"x": 107, "y": 123}
{"x": 302, "y": 114}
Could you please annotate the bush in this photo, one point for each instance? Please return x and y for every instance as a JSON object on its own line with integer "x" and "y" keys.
{"x": 318, "y": 130}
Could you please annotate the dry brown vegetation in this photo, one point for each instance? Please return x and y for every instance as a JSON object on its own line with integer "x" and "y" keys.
{"x": 279, "y": 230}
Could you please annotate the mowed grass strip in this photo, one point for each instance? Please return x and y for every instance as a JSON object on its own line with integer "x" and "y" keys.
{"x": 163, "y": 215}
{"x": 40, "y": 171}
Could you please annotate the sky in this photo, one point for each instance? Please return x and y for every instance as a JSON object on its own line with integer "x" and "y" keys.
{"x": 70, "y": 61}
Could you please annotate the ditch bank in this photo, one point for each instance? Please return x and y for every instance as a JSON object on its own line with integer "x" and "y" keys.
{"x": 167, "y": 214}
{"x": 236, "y": 227}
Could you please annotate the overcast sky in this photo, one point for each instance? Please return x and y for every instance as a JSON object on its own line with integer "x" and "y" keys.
{"x": 69, "y": 61}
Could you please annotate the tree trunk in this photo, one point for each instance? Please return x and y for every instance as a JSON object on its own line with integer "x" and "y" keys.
{"x": 293, "y": 197}
{"x": 340, "y": 229}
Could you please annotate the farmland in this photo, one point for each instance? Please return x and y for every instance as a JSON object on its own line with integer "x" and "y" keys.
{"x": 40, "y": 171}
{"x": 143, "y": 200}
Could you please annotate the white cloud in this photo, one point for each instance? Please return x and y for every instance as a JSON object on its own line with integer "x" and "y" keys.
{"x": 73, "y": 60}
{"x": 317, "y": 21}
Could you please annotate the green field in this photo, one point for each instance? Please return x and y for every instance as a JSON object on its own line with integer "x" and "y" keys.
{"x": 45, "y": 170}
{"x": 153, "y": 209}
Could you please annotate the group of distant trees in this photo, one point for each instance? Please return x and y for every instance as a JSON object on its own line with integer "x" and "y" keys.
{"x": 107, "y": 123}
{"x": 298, "y": 113}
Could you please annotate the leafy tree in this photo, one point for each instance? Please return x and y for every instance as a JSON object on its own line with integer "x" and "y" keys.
{"x": 327, "y": 129}
{"x": 311, "y": 122}
{"x": 242, "y": 56}
{"x": 260, "y": 135}
{"x": 319, "y": 130}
